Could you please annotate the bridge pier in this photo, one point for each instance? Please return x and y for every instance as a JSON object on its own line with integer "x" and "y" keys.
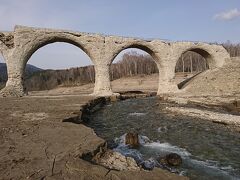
{"x": 166, "y": 84}
{"x": 167, "y": 87}
{"x": 102, "y": 79}
{"x": 14, "y": 85}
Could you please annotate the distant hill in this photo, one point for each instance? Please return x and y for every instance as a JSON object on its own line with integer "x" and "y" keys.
{"x": 49, "y": 79}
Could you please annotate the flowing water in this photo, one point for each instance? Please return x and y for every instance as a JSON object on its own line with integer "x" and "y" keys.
{"x": 208, "y": 150}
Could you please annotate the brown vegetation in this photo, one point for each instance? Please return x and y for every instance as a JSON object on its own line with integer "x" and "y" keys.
{"x": 233, "y": 49}
{"x": 49, "y": 79}
{"x": 132, "y": 64}
{"x": 191, "y": 62}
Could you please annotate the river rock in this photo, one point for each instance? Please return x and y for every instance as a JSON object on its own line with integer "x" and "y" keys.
{"x": 163, "y": 97}
{"x": 171, "y": 159}
{"x": 115, "y": 160}
{"x": 132, "y": 140}
{"x": 113, "y": 98}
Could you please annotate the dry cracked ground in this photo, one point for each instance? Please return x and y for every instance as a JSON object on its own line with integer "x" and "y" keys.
{"x": 35, "y": 143}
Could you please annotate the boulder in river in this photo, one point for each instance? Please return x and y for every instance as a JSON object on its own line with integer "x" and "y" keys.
{"x": 171, "y": 159}
{"x": 132, "y": 140}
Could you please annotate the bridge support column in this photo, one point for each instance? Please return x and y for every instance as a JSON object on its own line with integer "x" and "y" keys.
{"x": 102, "y": 80}
{"x": 14, "y": 85}
{"x": 167, "y": 87}
{"x": 166, "y": 84}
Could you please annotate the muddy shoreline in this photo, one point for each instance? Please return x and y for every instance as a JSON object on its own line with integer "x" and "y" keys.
{"x": 45, "y": 138}
{"x": 40, "y": 141}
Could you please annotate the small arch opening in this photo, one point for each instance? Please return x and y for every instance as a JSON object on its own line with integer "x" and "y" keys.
{"x": 189, "y": 65}
{"x": 56, "y": 67}
{"x": 3, "y": 72}
{"x": 134, "y": 70}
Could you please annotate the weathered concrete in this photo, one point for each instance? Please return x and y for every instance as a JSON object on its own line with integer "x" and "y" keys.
{"x": 18, "y": 46}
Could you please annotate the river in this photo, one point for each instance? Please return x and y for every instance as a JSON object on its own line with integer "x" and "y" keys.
{"x": 208, "y": 150}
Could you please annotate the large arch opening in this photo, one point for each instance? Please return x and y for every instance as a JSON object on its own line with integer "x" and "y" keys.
{"x": 56, "y": 66}
{"x": 3, "y": 72}
{"x": 190, "y": 64}
{"x": 134, "y": 70}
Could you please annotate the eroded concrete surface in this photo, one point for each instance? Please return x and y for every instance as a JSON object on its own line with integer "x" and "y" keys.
{"x": 18, "y": 46}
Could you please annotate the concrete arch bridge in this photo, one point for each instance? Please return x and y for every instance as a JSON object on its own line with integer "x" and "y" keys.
{"x": 18, "y": 46}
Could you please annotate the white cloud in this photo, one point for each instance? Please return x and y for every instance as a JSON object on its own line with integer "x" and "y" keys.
{"x": 228, "y": 15}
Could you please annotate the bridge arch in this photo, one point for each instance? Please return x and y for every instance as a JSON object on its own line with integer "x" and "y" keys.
{"x": 145, "y": 49}
{"x": 210, "y": 59}
{"x": 102, "y": 50}
{"x": 39, "y": 43}
{"x": 45, "y": 42}
{"x": 139, "y": 46}
{"x": 214, "y": 56}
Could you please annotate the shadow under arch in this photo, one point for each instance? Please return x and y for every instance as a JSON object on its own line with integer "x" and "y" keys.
{"x": 203, "y": 52}
{"x": 36, "y": 46}
{"x": 190, "y": 71}
{"x": 148, "y": 52}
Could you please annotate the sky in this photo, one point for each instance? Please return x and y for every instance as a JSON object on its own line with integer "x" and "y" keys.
{"x": 175, "y": 20}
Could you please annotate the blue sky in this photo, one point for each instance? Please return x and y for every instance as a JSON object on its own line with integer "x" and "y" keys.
{"x": 205, "y": 20}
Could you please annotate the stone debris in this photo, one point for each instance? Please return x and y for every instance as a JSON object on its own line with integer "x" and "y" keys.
{"x": 117, "y": 161}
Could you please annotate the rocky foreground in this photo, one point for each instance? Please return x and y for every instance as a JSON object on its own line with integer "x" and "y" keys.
{"x": 41, "y": 137}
